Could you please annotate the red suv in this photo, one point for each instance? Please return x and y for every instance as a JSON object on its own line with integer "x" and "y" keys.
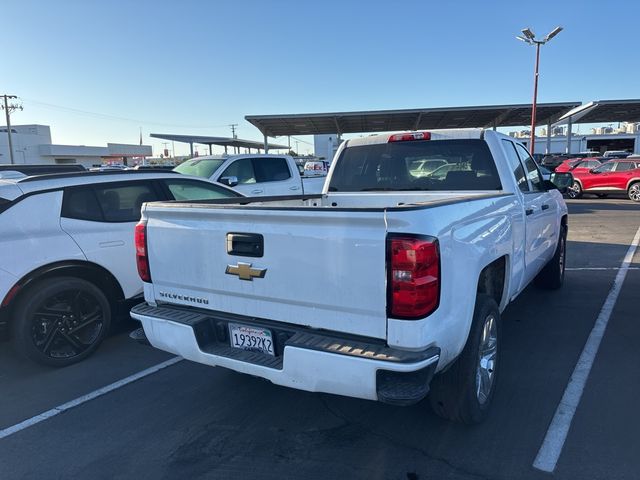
{"x": 578, "y": 165}
{"x": 614, "y": 176}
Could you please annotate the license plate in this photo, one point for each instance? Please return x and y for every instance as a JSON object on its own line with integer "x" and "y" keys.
{"x": 251, "y": 338}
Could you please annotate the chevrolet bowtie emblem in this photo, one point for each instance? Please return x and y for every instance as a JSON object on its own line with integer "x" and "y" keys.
{"x": 245, "y": 272}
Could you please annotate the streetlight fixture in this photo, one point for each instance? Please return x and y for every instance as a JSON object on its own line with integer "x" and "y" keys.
{"x": 530, "y": 38}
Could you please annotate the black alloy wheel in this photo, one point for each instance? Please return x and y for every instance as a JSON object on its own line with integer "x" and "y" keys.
{"x": 61, "y": 321}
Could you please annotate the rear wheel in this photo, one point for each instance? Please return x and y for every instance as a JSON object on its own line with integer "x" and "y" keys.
{"x": 634, "y": 191}
{"x": 464, "y": 392}
{"x": 575, "y": 190}
{"x": 60, "y": 321}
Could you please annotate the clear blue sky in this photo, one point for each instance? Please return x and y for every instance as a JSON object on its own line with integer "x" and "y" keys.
{"x": 196, "y": 66}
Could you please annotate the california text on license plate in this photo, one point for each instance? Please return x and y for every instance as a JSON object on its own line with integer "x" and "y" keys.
{"x": 251, "y": 338}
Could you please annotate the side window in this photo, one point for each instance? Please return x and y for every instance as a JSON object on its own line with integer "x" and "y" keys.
{"x": 122, "y": 203}
{"x": 189, "y": 190}
{"x": 81, "y": 203}
{"x": 271, "y": 169}
{"x": 606, "y": 167}
{"x": 624, "y": 166}
{"x": 516, "y": 165}
{"x": 242, "y": 169}
{"x": 533, "y": 174}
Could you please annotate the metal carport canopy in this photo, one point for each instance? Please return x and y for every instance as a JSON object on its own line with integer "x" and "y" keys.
{"x": 412, "y": 119}
{"x": 221, "y": 141}
{"x": 604, "y": 111}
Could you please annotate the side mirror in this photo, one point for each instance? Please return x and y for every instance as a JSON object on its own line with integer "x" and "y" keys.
{"x": 560, "y": 181}
{"x": 229, "y": 181}
{"x": 593, "y": 170}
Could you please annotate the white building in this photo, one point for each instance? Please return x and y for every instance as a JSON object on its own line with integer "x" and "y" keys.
{"x": 325, "y": 146}
{"x": 591, "y": 142}
{"x": 32, "y": 144}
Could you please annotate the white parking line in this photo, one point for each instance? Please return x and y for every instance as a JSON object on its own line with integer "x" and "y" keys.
{"x": 85, "y": 398}
{"x": 553, "y": 443}
{"x": 601, "y": 268}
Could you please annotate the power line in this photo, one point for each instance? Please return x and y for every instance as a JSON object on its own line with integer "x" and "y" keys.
{"x": 114, "y": 117}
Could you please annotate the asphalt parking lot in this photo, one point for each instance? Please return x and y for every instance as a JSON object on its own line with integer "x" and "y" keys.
{"x": 192, "y": 421}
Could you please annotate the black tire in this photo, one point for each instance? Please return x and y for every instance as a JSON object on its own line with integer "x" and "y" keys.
{"x": 601, "y": 195}
{"x": 60, "y": 321}
{"x": 634, "y": 192}
{"x": 575, "y": 190}
{"x": 551, "y": 277}
{"x": 455, "y": 394}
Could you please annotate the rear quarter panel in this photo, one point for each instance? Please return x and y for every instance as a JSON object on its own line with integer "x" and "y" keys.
{"x": 32, "y": 237}
{"x": 471, "y": 235}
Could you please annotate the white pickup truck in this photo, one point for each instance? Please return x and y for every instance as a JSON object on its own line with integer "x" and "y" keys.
{"x": 254, "y": 174}
{"x": 387, "y": 286}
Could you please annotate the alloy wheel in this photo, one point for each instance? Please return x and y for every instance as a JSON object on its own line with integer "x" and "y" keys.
{"x": 487, "y": 355}
{"x": 66, "y": 324}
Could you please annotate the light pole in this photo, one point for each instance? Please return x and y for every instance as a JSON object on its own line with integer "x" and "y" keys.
{"x": 530, "y": 38}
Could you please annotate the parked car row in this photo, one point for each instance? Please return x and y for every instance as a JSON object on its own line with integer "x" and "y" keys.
{"x": 554, "y": 160}
{"x": 611, "y": 177}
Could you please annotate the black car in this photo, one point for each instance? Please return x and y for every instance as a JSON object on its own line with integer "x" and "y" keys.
{"x": 553, "y": 160}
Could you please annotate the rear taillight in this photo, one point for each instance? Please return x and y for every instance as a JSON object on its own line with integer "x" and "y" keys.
{"x": 142, "y": 259}
{"x": 408, "y": 137}
{"x": 413, "y": 268}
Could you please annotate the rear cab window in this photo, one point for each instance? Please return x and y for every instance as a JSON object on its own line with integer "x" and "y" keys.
{"x": 461, "y": 164}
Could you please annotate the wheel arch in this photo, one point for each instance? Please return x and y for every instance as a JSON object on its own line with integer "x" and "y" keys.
{"x": 89, "y": 271}
{"x": 493, "y": 280}
{"x": 632, "y": 181}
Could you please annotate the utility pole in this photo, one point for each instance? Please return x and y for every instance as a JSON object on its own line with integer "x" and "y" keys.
{"x": 233, "y": 129}
{"x": 7, "y": 111}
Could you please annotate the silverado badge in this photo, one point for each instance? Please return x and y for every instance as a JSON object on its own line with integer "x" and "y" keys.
{"x": 245, "y": 272}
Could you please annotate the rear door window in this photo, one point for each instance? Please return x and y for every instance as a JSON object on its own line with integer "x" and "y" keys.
{"x": 271, "y": 169}
{"x": 122, "y": 202}
{"x": 624, "y": 166}
{"x": 81, "y": 203}
{"x": 111, "y": 202}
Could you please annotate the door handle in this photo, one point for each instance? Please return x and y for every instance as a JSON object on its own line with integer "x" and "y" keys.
{"x": 295, "y": 187}
{"x": 545, "y": 207}
{"x": 257, "y": 190}
{"x": 528, "y": 211}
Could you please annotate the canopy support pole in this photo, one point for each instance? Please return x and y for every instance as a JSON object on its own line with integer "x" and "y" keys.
{"x": 569, "y": 135}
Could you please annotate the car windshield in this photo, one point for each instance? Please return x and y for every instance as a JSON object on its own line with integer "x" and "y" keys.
{"x": 200, "y": 167}
{"x": 416, "y": 165}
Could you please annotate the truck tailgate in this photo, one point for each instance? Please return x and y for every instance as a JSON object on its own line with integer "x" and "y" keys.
{"x": 319, "y": 268}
